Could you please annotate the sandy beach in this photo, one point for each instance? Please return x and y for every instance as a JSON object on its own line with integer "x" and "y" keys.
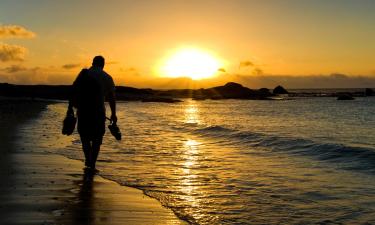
{"x": 51, "y": 189}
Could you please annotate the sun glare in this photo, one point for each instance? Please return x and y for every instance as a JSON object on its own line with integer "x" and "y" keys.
{"x": 190, "y": 62}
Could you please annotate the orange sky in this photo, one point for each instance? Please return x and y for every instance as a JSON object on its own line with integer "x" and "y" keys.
{"x": 259, "y": 43}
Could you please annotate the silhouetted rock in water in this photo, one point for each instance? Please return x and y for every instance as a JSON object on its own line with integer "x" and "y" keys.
{"x": 165, "y": 100}
{"x": 230, "y": 90}
{"x": 345, "y": 96}
{"x": 369, "y": 92}
{"x": 279, "y": 90}
{"x": 131, "y": 90}
{"x": 175, "y": 93}
{"x": 132, "y": 94}
{"x": 265, "y": 91}
{"x": 199, "y": 94}
{"x": 235, "y": 91}
{"x": 199, "y": 97}
{"x": 232, "y": 85}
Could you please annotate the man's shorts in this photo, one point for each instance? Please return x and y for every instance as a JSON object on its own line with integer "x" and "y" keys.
{"x": 91, "y": 126}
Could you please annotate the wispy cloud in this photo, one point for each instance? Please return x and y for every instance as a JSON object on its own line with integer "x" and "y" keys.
{"x": 250, "y": 65}
{"x": 70, "y": 66}
{"x": 15, "y": 31}
{"x": 18, "y": 74}
{"x": 14, "y": 69}
{"x": 12, "y": 52}
{"x": 246, "y": 63}
{"x": 130, "y": 71}
{"x": 258, "y": 71}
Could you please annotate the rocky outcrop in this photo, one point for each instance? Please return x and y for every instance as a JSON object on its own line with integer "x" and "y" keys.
{"x": 233, "y": 90}
{"x": 369, "y": 92}
{"x": 279, "y": 90}
{"x": 345, "y": 96}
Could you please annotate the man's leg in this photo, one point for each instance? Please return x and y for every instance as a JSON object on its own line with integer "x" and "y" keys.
{"x": 95, "y": 150}
{"x": 87, "y": 150}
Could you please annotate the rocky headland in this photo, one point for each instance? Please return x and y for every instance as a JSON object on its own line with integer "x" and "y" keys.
{"x": 230, "y": 90}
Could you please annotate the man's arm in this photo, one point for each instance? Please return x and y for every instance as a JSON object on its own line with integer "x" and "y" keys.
{"x": 73, "y": 92}
{"x": 112, "y": 105}
{"x": 72, "y": 97}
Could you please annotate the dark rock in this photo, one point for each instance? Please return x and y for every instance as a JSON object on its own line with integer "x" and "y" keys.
{"x": 265, "y": 91}
{"x": 233, "y": 90}
{"x": 199, "y": 97}
{"x": 279, "y": 90}
{"x": 369, "y": 92}
{"x": 233, "y": 85}
{"x": 345, "y": 97}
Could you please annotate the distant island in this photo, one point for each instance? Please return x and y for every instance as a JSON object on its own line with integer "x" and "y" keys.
{"x": 230, "y": 90}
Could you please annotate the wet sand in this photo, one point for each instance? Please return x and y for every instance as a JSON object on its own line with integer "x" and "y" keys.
{"x": 38, "y": 188}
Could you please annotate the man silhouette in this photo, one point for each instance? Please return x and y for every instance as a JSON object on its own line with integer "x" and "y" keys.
{"x": 90, "y": 89}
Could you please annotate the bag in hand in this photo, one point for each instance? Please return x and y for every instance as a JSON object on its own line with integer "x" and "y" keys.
{"x": 69, "y": 122}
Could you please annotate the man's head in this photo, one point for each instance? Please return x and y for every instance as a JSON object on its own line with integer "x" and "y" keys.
{"x": 98, "y": 61}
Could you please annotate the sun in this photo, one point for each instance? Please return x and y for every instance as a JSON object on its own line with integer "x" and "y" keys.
{"x": 191, "y": 62}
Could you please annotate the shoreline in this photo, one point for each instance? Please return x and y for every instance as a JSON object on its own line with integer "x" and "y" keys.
{"x": 44, "y": 188}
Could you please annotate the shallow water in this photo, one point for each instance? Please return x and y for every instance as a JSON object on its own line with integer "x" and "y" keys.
{"x": 298, "y": 161}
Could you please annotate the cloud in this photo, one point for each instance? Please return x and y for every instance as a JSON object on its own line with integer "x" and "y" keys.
{"x": 22, "y": 69}
{"x": 14, "y": 69}
{"x": 130, "y": 71}
{"x": 12, "y": 52}
{"x": 70, "y": 66}
{"x": 246, "y": 63}
{"x": 258, "y": 71}
{"x": 254, "y": 68}
{"x": 23, "y": 75}
{"x": 34, "y": 75}
{"x": 15, "y": 31}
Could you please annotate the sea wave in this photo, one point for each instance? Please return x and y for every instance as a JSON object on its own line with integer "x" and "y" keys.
{"x": 350, "y": 157}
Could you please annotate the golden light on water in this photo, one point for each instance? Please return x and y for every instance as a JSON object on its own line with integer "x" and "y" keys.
{"x": 191, "y": 146}
{"x": 191, "y": 62}
{"x": 191, "y": 149}
{"x": 191, "y": 113}
{"x": 188, "y": 180}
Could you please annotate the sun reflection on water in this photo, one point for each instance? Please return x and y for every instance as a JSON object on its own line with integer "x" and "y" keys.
{"x": 192, "y": 113}
{"x": 189, "y": 180}
{"x": 191, "y": 150}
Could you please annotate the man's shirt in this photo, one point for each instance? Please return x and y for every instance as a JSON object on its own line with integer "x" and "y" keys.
{"x": 91, "y": 87}
{"x": 104, "y": 80}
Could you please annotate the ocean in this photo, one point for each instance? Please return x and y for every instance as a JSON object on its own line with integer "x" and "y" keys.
{"x": 296, "y": 161}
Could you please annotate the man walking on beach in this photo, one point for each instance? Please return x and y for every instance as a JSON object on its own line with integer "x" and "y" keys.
{"x": 90, "y": 89}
